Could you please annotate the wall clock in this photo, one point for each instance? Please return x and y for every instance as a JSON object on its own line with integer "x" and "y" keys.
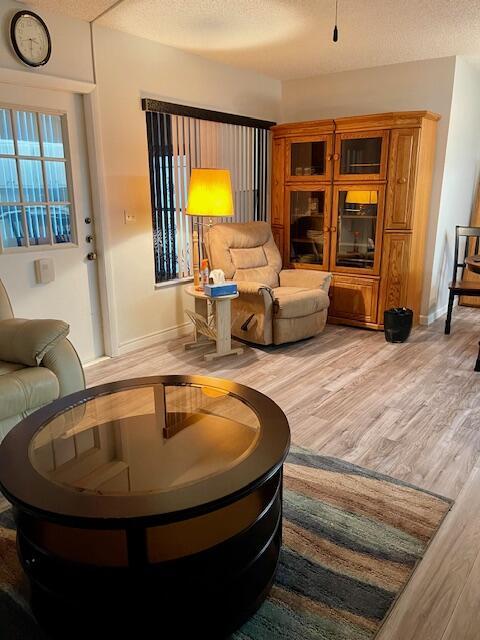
{"x": 30, "y": 38}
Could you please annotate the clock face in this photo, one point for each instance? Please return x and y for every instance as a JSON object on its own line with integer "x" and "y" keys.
{"x": 30, "y": 38}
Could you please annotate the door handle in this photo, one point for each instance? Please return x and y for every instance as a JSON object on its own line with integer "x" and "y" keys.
{"x": 336, "y": 156}
{"x": 401, "y": 180}
{"x": 333, "y": 229}
{"x": 92, "y": 255}
{"x": 326, "y": 229}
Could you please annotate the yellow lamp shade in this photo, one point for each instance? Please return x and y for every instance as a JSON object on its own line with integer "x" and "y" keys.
{"x": 362, "y": 197}
{"x": 210, "y": 193}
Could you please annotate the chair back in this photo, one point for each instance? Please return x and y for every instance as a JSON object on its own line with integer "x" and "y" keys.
{"x": 472, "y": 246}
{"x": 6, "y": 311}
{"x": 244, "y": 251}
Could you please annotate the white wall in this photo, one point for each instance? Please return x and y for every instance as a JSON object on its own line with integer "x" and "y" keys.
{"x": 71, "y": 52}
{"x": 129, "y": 68}
{"x": 426, "y": 84}
{"x": 460, "y": 178}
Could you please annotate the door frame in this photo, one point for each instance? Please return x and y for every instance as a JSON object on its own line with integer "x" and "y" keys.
{"x": 355, "y": 186}
{"x": 98, "y": 185}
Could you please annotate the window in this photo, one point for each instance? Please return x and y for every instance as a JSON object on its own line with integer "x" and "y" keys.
{"x": 181, "y": 138}
{"x": 36, "y": 208}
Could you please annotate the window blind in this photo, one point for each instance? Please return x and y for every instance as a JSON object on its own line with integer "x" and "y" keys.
{"x": 177, "y": 144}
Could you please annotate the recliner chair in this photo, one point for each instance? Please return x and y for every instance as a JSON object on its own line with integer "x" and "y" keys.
{"x": 37, "y": 364}
{"x": 275, "y": 305}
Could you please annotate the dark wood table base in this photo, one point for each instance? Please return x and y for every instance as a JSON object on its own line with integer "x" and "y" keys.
{"x": 212, "y": 592}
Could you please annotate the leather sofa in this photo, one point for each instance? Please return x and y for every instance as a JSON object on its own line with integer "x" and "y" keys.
{"x": 37, "y": 364}
{"x": 275, "y": 305}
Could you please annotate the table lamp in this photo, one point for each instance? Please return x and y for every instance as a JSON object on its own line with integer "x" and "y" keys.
{"x": 362, "y": 197}
{"x": 209, "y": 195}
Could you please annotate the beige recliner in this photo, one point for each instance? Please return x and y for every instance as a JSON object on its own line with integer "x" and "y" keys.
{"x": 37, "y": 364}
{"x": 275, "y": 305}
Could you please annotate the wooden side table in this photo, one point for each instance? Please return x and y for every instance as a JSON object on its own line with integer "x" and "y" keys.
{"x": 216, "y": 329}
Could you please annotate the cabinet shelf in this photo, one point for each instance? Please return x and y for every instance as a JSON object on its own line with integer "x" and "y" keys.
{"x": 344, "y": 217}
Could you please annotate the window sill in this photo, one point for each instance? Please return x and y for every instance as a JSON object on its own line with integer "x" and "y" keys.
{"x": 36, "y": 248}
{"x": 173, "y": 283}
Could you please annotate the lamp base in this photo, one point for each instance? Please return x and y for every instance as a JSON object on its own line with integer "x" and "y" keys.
{"x": 196, "y": 260}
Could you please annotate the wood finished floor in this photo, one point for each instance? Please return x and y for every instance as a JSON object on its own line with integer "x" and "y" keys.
{"x": 411, "y": 411}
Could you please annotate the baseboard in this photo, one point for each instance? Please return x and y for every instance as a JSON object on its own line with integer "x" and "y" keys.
{"x": 154, "y": 338}
{"x": 431, "y": 317}
{"x": 90, "y": 363}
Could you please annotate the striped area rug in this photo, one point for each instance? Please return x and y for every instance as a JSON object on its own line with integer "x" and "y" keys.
{"x": 351, "y": 541}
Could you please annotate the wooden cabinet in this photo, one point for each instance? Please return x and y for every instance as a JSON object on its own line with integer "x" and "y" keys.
{"x": 361, "y": 156}
{"x": 402, "y": 167}
{"x": 354, "y": 299}
{"x": 357, "y": 228}
{"x": 351, "y": 196}
{"x": 393, "y": 288}
{"x": 309, "y": 157}
{"x": 307, "y": 236}
{"x": 277, "y": 232}
{"x": 278, "y": 179}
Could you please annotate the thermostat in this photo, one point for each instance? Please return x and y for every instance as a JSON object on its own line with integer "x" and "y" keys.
{"x": 44, "y": 270}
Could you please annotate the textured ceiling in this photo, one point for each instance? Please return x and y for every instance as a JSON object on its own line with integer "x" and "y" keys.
{"x": 293, "y": 38}
{"x": 81, "y": 9}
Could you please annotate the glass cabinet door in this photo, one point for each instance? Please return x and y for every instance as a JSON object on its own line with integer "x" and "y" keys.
{"x": 361, "y": 156}
{"x": 357, "y": 228}
{"x": 309, "y": 158}
{"x": 309, "y": 215}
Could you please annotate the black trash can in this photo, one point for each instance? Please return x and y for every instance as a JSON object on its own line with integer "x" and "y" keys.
{"x": 397, "y": 324}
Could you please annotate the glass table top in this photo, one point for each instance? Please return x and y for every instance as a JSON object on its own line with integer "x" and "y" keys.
{"x": 144, "y": 440}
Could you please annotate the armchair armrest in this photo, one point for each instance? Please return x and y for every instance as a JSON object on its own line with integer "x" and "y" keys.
{"x": 28, "y": 341}
{"x": 64, "y": 362}
{"x": 308, "y": 278}
{"x": 255, "y": 288}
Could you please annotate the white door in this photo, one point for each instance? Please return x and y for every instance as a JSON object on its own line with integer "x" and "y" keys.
{"x": 73, "y": 295}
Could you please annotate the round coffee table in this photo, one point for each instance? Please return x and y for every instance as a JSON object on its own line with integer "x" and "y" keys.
{"x": 152, "y": 501}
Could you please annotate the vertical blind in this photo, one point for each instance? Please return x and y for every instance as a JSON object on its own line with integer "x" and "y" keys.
{"x": 177, "y": 144}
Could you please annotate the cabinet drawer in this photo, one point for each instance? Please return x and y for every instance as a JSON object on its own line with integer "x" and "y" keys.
{"x": 354, "y": 298}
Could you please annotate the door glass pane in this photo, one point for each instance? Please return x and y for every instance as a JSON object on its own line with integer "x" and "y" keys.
{"x": 357, "y": 223}
{"x": 360, "y": 156}
{"x": 27, "y": 133}
{"x": 32, "y": 180}
{"x": 11, "y": 227}
{"x": 51, "y": 126}
{"x": 56, "y": 181}
{"x": 9, "y": 191}
{"x": 308, "y": 158}
{"x": 61, "y": 224}
{"x": 6, "y": 137}
{"x": 37, "y": 225}
{"x": 307, "y": 213}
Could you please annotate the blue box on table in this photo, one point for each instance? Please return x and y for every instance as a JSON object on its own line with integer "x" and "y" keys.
{"x": 223, "y": 289}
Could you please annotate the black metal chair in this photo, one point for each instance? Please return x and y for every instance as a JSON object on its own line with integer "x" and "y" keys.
{"x": 463, "y": 287}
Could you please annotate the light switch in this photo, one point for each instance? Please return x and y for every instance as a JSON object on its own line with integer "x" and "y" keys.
{"x": 129, "y": 217}
{"x": 44, "y": 270}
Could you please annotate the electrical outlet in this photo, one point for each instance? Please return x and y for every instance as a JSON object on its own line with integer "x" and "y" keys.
{"x": 129, "y": 217}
